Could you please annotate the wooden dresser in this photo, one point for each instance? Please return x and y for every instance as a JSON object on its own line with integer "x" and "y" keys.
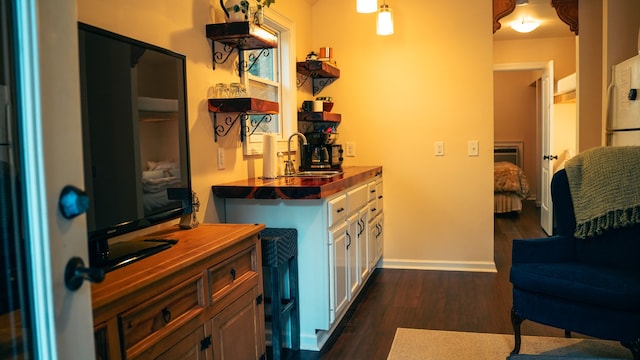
{"x": 200, "y": 299}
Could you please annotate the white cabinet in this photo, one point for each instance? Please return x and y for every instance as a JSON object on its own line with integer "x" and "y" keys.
{"x": 375, "y": 238}
{"x": 333, "y": 244}
{"x": 353, "y": 278}
{"x": 338, "y": 274}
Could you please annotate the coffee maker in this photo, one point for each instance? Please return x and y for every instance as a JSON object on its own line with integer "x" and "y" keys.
{"x": 321, "y": 153}
{"x": 321, "y": 157}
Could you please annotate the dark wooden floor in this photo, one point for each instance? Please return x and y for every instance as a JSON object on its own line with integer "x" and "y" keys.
{"x": 439, "y": 300}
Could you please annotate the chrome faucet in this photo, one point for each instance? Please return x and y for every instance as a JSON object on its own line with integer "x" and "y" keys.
{"x": 289, "y": 169}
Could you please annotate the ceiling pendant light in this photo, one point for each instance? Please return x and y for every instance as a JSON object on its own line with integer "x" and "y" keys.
{"x": 366, "y": 6}
{"x": 384, "y": 24}
{"x": 525, "y": 26}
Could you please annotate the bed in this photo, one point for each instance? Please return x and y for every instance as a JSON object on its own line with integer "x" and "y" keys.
{"x": 156, "y": 181}
{"x": 510, "y": 182}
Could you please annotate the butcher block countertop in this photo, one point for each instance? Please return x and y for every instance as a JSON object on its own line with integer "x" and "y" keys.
{"x": 295, "y": 187}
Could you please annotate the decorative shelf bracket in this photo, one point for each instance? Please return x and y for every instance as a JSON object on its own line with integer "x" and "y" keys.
{"x": 222, "y": 130}
{"x": 246, "y": 66}
{"x": 302, "y": 79}
{"x": 240, "y": 36}
{"x": 321, "y": 83}
{"x": 253, "y": 124}
{"x": 220, "y": 57}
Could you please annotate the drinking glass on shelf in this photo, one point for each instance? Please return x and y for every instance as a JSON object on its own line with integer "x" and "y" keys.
{"x": 221, "y": 91}
{"x": 237, "y": 90}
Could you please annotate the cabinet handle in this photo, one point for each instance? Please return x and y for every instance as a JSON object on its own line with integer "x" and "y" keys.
{"x": 233, "y": 274}
{"x": 373, "y": 209}
{"x": 372, "y": 191}
{"x": 348, "y": 240}
{"x": 340, "y": 210}
{"x": 166, "y": 315}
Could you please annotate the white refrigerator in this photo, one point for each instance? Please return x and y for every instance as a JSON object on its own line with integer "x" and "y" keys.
{"x": 623, "y": 123}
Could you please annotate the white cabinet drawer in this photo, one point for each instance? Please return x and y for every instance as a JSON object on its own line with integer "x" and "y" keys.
{"x": 371, "y": 190}
{"x": 379, "y": 195}
{"x": 337, "y": 209}
{"x": 356, "y": 199}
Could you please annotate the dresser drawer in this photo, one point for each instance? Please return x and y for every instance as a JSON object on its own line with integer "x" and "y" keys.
{"x": 161, "y": 314}
{"x": 230, "y": 274}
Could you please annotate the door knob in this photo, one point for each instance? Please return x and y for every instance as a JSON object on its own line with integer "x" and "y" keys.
{"x": 73, "y": 202}
{"x": 75, "y": 273}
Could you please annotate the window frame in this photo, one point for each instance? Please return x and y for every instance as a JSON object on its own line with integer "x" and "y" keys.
{"x": 287, "y": 97}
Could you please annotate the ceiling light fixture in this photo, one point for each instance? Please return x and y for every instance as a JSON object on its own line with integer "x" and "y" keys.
{"x": 384, "y": 25}
{"x": 525, "y": 26}
{"x": 366, "y": 6}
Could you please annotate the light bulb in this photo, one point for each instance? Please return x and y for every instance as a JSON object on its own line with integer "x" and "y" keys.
{"x": 525, "y": 26}
{"x": 385, "y": 21}
{"x": 366, "y": 6}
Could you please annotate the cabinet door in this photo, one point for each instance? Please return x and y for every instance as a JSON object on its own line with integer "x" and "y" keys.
{"x": 189, "y": 347}
{"x": 338, "y": 288}
{"x": 238, "y": 330}
{"x": 353, "y": 273}
{"x": 372, "y": 244}
{"x": 380, "y": 236}
{"x": 363, "y": 239}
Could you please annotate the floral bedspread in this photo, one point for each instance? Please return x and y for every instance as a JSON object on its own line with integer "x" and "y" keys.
{"x": 508, "y": 177}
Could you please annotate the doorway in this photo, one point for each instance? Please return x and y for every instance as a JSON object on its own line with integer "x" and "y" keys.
{"x": 523, "y": 111}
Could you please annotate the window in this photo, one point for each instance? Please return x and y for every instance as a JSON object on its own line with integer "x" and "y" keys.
{"x": 272, "y": 77}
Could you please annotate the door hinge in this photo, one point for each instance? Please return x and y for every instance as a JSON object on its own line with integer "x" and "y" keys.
{"x": 259, "y": 299}
{"x": 205, "y": 343}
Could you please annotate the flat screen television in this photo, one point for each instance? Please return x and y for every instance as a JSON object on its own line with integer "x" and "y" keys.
{"x": 135, "y": 142}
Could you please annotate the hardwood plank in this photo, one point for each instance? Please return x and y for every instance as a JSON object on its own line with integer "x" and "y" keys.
{"x": 437, "y": 300}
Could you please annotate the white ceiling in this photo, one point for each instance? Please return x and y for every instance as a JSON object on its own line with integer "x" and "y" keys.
{"x": 540, "y": 10}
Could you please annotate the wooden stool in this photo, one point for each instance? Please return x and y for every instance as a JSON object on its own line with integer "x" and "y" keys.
{"x": 279, "y": 257}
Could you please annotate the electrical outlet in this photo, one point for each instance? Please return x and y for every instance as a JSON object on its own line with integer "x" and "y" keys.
{"x": 439, "y": 148}
{"x": 220, "y": 158}
{"x": 350, "y": 149}
{"x": 472, "y": 149}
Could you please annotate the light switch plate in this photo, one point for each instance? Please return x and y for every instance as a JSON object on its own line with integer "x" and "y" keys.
{"x": 472, "y": 148}
{"x": 350, "y": 149}
{"x": 221, "y": 159}
{"x": 438, "y": 148}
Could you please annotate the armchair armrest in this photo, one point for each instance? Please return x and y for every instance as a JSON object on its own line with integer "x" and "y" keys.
{"x": 551, "y": 249}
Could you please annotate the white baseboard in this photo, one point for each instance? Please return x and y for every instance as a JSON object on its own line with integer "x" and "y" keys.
{"x": 471, "y": 266}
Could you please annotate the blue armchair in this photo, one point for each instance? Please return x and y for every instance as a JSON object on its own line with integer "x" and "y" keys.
{"x": 586, "y": 285}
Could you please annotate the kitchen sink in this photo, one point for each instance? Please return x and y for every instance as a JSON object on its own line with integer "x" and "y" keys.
{"x": 325, "y": 174}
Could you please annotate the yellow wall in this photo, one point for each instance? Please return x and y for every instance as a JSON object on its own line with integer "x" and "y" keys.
{"x": 561, "y": 50}
{"x": 400, "y": 94}
{"x": 431, "y": 81}
{"x": 397, "y": 95}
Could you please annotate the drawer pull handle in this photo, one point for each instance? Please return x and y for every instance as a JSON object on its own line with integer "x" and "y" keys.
{"x": 340, "y": 210}
{"x": 166, "y": 315}
{"x": 233, "y": 274}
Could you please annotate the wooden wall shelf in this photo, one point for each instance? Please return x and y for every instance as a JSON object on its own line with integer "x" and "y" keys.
{"x": 242, "y": 35}
{"x": 245, "y": 105}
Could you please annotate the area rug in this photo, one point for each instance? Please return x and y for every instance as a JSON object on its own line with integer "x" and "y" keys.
{"x": 421, "y": 344}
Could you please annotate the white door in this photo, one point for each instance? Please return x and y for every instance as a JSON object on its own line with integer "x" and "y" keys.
{"x": 546, "y": 101}
{"x": 50, "y": 148}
